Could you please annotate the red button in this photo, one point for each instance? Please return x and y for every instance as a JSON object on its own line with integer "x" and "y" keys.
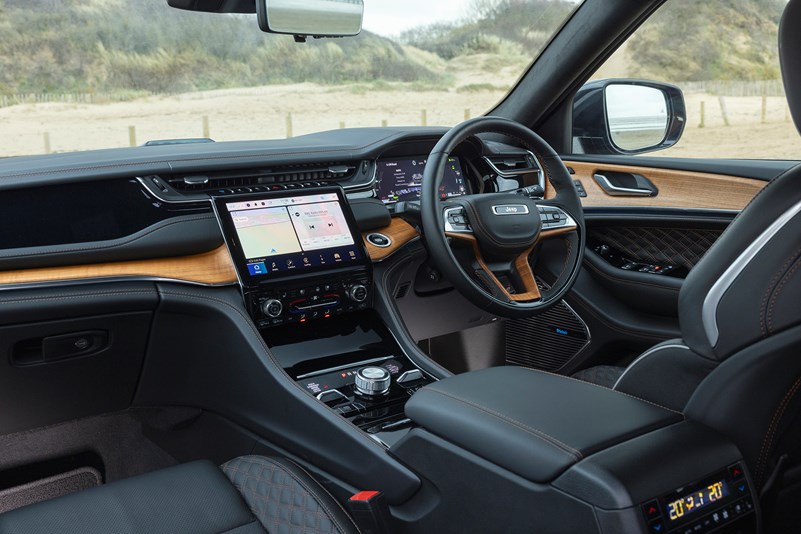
{"x": 651, "y": 509}
{"x": 736, "y": 471}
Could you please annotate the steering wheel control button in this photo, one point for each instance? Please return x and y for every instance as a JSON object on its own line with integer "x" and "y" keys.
{"x": 272, "y": 308}
{"x": 357, "y": 293}
{"x": 379, "y": 240}
{"x": 456, "y": 220}
{"x": 552, "y": 217}
{"x": 373, "y": 381}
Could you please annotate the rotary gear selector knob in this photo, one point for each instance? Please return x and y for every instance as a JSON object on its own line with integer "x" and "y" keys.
{"x": 372, "y": 380}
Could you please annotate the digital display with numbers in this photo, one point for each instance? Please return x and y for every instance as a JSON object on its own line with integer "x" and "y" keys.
{"x": 699, "y": 499}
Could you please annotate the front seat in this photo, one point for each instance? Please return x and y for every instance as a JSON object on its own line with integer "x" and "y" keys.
{"x": 247, "y": 495}
{"x": 737, "y": 366}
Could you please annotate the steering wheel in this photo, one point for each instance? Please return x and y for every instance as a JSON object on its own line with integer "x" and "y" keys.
{"x": 503, "y": 233}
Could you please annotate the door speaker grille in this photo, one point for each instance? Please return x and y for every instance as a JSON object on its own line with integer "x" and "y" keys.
{"x": 547, "y": 341}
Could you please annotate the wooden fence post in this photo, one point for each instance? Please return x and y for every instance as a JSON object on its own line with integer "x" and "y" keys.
{"x": 701, "y": 124}
{"x": 132, "y": 135}
{"x": 384, "y": 123}
{"x": 466, "y": 113}
{"x": 341, "y": 125}
{"x": 206, "y": 126}
{"x": 288, "y": 125}
{"x": 764, "y": 112}
{"x": 723, "y": 111}
{"x": 47, "y": 142}
{"x": 424, "y": 118}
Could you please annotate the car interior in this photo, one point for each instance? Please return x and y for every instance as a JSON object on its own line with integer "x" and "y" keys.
{"x": 549, "y": 334}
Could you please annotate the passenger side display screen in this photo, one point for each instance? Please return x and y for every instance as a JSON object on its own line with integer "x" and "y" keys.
{"x": 402, "y": 179}
{"x": 292, "y": 233}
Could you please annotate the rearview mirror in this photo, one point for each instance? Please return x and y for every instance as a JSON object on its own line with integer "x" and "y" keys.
{"x": 316, "y": 18}
{"x": 627, "y": 117}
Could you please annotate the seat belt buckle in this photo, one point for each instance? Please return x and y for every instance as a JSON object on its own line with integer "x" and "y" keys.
{"x": 370, "y": 512}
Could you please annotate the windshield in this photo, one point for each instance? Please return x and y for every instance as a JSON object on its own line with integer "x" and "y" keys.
{"x": 79, "y": 75}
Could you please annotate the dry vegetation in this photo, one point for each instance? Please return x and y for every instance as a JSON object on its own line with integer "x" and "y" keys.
{"x": 247, "y": 91}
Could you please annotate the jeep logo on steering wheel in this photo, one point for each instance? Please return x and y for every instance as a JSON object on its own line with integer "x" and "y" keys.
{"x": 510, "y": 209}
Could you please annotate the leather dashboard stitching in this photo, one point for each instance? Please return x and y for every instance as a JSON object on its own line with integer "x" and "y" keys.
{"x": 550, "y": 440}
{"x": 126, "y": 240}
{"x": 774, "y": 423}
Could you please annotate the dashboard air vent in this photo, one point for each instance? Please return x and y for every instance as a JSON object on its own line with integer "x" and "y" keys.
{"x": 513, "y": 164}
{"x": 286, "y": 174}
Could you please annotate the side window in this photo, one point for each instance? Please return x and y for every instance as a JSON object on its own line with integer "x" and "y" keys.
{"x": 723, "y": 56}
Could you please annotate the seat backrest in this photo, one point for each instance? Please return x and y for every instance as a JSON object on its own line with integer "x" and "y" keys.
{"x": 748, "y": 286}
{"x": 737, "y": 367}
{"x": 741, "y": 307}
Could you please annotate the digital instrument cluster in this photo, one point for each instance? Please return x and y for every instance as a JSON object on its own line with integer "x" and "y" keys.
{"x": 402, "y": 179}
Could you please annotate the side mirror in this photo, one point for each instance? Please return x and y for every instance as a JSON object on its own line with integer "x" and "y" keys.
{"x": 627, "y": 117}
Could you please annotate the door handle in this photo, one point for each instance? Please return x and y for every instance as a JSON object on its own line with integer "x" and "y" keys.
{"x": 624, "y": 184}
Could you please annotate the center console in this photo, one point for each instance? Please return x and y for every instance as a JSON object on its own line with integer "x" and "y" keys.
{"x": 307, "y": 283}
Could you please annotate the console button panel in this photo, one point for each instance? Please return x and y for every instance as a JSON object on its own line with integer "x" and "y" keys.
{"x": 371, "y": 413}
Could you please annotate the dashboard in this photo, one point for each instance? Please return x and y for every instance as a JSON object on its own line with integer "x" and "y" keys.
{"x": 146, "y": 211}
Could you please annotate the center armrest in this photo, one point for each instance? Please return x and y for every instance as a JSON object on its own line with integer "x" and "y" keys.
{"x": 532, "y": 423}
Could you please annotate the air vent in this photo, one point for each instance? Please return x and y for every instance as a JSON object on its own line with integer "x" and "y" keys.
{"x": 514, "y": 164}
{"x": 402, "y": 290}
{"x": 288, "y": 174}
{"x": 547, "y": 341}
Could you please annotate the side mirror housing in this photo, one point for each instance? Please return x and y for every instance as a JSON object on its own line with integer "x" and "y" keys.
{"x": 622, "y": 116}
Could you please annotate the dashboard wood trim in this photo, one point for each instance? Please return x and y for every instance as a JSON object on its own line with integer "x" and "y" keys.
{"x": 211, "y": 268}
{"x": 399, "y": 231}
{"x": 677, "y": 189}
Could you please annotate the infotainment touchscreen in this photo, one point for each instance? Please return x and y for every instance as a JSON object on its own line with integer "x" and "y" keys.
{"x": 285, "y": 233}
{"x": 401, "y": 179}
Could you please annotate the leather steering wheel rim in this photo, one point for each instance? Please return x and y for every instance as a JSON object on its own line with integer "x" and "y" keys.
{"x": 566, "y": 200}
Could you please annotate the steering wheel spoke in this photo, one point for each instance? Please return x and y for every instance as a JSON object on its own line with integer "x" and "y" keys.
{"x": 519, "y": 272}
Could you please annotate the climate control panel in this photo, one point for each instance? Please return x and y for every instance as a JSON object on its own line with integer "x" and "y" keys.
{"x": 308, "y": 300}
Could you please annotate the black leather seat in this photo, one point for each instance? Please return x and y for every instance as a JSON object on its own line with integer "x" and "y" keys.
{"x": 737, "y": 366}
{"x": 246, "y": 495}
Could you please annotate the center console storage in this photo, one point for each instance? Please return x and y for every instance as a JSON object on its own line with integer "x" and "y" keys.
{"x": 575, "y": 457}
